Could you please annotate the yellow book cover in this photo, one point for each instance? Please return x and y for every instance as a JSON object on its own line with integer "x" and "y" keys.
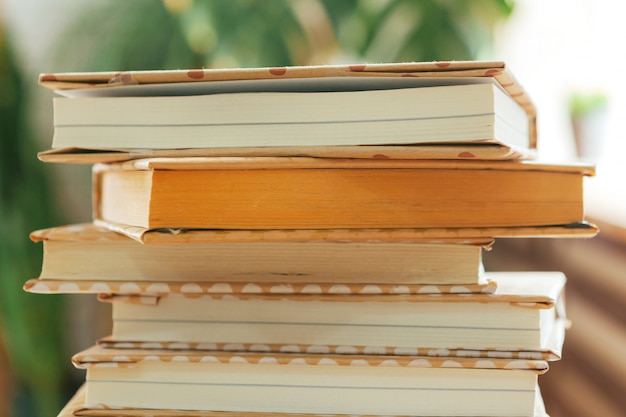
{"x": 313, "y": 193}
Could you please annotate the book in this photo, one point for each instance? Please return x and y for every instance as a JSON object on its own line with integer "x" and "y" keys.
{"x": 313, "y": 193}
{"x": 85, "y": 252}
{"x": 241, "y": 382}
{"x": 76, "y": 407}
{"x": 525, "y": 313}
{"x": 230, "y": 109}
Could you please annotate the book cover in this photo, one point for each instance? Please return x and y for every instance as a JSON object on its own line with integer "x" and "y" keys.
{"x": 422, "y": 151}
{"x": 161, "y": 288}
{"x": 447, "y": 234}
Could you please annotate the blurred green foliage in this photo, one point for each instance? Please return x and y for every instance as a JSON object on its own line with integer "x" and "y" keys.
{"x": 31, "y": 325}
{"x": 169, "y": 34}
{"x": 144, "y": 34}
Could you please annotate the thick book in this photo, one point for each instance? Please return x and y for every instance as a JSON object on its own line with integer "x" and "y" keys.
{"x": 85, "y": 252}
{"x": 525, "y": 313}
{"x": 295, "y": 110}
{"x": 314, "y": 193}
{"x": 76, "y": 407}
{"x": 242, "y": 382}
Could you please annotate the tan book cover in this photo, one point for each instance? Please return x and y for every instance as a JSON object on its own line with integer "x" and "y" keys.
{"x": 313, "y": 193}
{"x": 76, "y": 407}
{"x": 552, "y": 351}
{"x": 161, "y": 288}
{"x": 461, "y": 234}
{"x": 116, "y": 234}
{"x": 450, "y": 151}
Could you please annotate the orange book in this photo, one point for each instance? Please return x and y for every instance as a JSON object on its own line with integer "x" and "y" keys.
{"x": 310, "y": 193}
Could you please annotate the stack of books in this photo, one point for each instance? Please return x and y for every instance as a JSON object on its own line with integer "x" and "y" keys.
{"x": 308, "y": 240}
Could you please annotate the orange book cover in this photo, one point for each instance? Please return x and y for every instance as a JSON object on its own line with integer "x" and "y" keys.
{"x": 312, "y": 193}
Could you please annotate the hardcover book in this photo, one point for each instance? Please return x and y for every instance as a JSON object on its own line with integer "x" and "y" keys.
{"x": 525, "y": 313}
{"x": 76, "y": 407}
{"x": 309, "y": 384}
{"x": 313, "y": 193}
{"x": 345, "y": 109}
{"x": 85, "y": 252}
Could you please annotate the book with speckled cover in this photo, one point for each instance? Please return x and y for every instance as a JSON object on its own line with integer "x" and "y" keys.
{"x": 241, "y": 383}
{"x": 525, "y": 313}
{"x": 316, "y": 193}
{"x": 477, "y": 109}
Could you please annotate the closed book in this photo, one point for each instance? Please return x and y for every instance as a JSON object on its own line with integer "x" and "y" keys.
{"x": 85, "y": 252}
{"x": 309, "y": 384}
{"x": 313, "y": 193}
{"x": 296, "y": 110}
{"x": 76, "y": 407}
{"x": 525, "y": 313}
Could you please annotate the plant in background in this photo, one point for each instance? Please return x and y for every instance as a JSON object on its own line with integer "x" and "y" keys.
{"x": 588, "y": 113}
{"x": 30, "y": 325}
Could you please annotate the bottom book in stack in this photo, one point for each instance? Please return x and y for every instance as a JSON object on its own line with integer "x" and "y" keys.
{"x": 122, "y": 382}
{"x": 351, "y": 354}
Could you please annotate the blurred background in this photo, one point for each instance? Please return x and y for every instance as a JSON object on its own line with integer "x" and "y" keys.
{"x": 566, "y": 54}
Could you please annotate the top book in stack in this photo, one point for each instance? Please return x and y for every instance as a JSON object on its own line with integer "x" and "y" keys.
{"x": 476, "y": 109}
